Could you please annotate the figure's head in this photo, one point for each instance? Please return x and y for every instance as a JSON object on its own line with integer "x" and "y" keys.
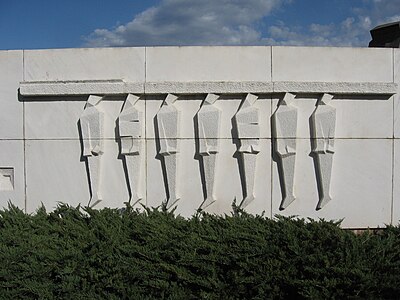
{"x": 325, "y": 99}
{"x": 250, "y": 99}
{"x": 130, "y": 101}
{"x": 170, "y": 99}
{"x": 288, "y": 98}
{"x": 93, "y": 100}
{"x": 211, "y": 98}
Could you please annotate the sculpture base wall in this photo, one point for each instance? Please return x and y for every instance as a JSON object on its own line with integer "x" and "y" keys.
{"x": 300, "y": 131}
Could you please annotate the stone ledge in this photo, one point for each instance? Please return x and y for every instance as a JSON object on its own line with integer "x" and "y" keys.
{"x": 94, "y": 87}
{"x": 115, "y": 87}
{"x": 360, "y": 88}
{"x": 228, "y": 87}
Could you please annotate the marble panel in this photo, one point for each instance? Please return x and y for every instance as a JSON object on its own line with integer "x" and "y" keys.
{"x": 228, "y": 185}
{"x": 396, "y": 184}
{"x": 361, "y": 184}
{"x": 190, "y": 105}
{"x": 396, "y": 105}
{"x": 85, "y": 64}
{"x": 59, "y": 119}
{"x": 356, "y": 117}
{"x": 332, "y": 64}
{"x": 12, "y": 178}
{"x": 56, "y": 172}
{"x": 11, "y": 112}
{"x": 208, "y": 64}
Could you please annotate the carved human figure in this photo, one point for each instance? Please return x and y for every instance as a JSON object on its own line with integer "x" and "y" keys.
{"x": 208, "y": 131}
{"x": 130, "y": 123}
{"x": 168, "y": 123}
{"x": 323, "y": 130}
{"x": 284, "y": 125}
{"x": 91, "y": 123}
{"x": 246, "y": 121}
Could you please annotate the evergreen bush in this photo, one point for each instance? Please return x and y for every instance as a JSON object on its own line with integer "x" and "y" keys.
{"x": 81, "y": 253}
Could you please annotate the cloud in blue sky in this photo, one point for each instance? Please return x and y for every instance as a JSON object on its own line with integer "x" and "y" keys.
{"x": 242, "y": 22}
{"x": 351, "y": 31}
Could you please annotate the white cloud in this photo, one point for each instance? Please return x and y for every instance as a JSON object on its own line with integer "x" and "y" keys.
{"x": 352, "y": 31}
{"x": 242, "y": 22}
{"x": 191, "y": 22}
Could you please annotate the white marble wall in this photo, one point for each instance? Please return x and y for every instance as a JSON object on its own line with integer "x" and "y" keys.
{"x": 41, "y": 143}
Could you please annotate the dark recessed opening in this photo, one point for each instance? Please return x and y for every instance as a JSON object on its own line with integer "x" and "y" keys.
{"x": 386, "y": 35}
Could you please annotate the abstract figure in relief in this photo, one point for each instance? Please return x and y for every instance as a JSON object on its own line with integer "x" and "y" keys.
{"x": 208, "y": 132}
{"x": 168, "y": 123}
{"x": 323, "y": 129}
{"x": 91, "y": 124}
{"x": 130, "y": 123}
{"x": 284, "y": 126}
{"x": 247, "y": 125}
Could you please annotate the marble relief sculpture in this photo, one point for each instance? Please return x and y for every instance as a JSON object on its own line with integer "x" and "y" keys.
{"x": 223, "y": 153}
{"x": 168, "y": 124}
{"x": 91, "y": 125}
{"x": 208, "y": 132}
{"x": 284, "y": 125}
{"x": 323, "y": 130}
{"x": 247, "y": 125}
{"x": 130, "y": 124}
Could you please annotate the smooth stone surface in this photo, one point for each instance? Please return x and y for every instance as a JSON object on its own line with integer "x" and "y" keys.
{"x": 53, "y": 120}
{"x": 396, "y": 107}
{"x": 340, "y": 88}
{"x": 12, "y": 157}
{"x": 396, "y": 184}
{"x": 228, "y": 184}
{"x": 118, "y": 87}
{"x": 49, "y": 180}
{"x": 361, "y": 186}
{"x": 370, "y": 117}
{"x": 11, "y": 112}
{"x": 208, "y": 64}
{"x": 205, "y": 87}
{"x": 59, "y": 119}
{"x": 190, "y": 105}
{"x": 84, "y": 87}
{"x": 364, "y": 186}
{"x": 85, "y": 64}
{"x": 331, "y": 64}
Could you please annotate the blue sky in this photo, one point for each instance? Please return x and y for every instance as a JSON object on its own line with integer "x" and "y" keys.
{"x": 36, "y": 24}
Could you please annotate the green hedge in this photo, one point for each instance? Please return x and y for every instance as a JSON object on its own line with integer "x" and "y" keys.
{"x": 75, "y": 253}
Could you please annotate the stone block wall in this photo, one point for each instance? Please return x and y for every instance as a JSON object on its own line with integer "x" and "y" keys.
{"x": 301, "y": 131}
